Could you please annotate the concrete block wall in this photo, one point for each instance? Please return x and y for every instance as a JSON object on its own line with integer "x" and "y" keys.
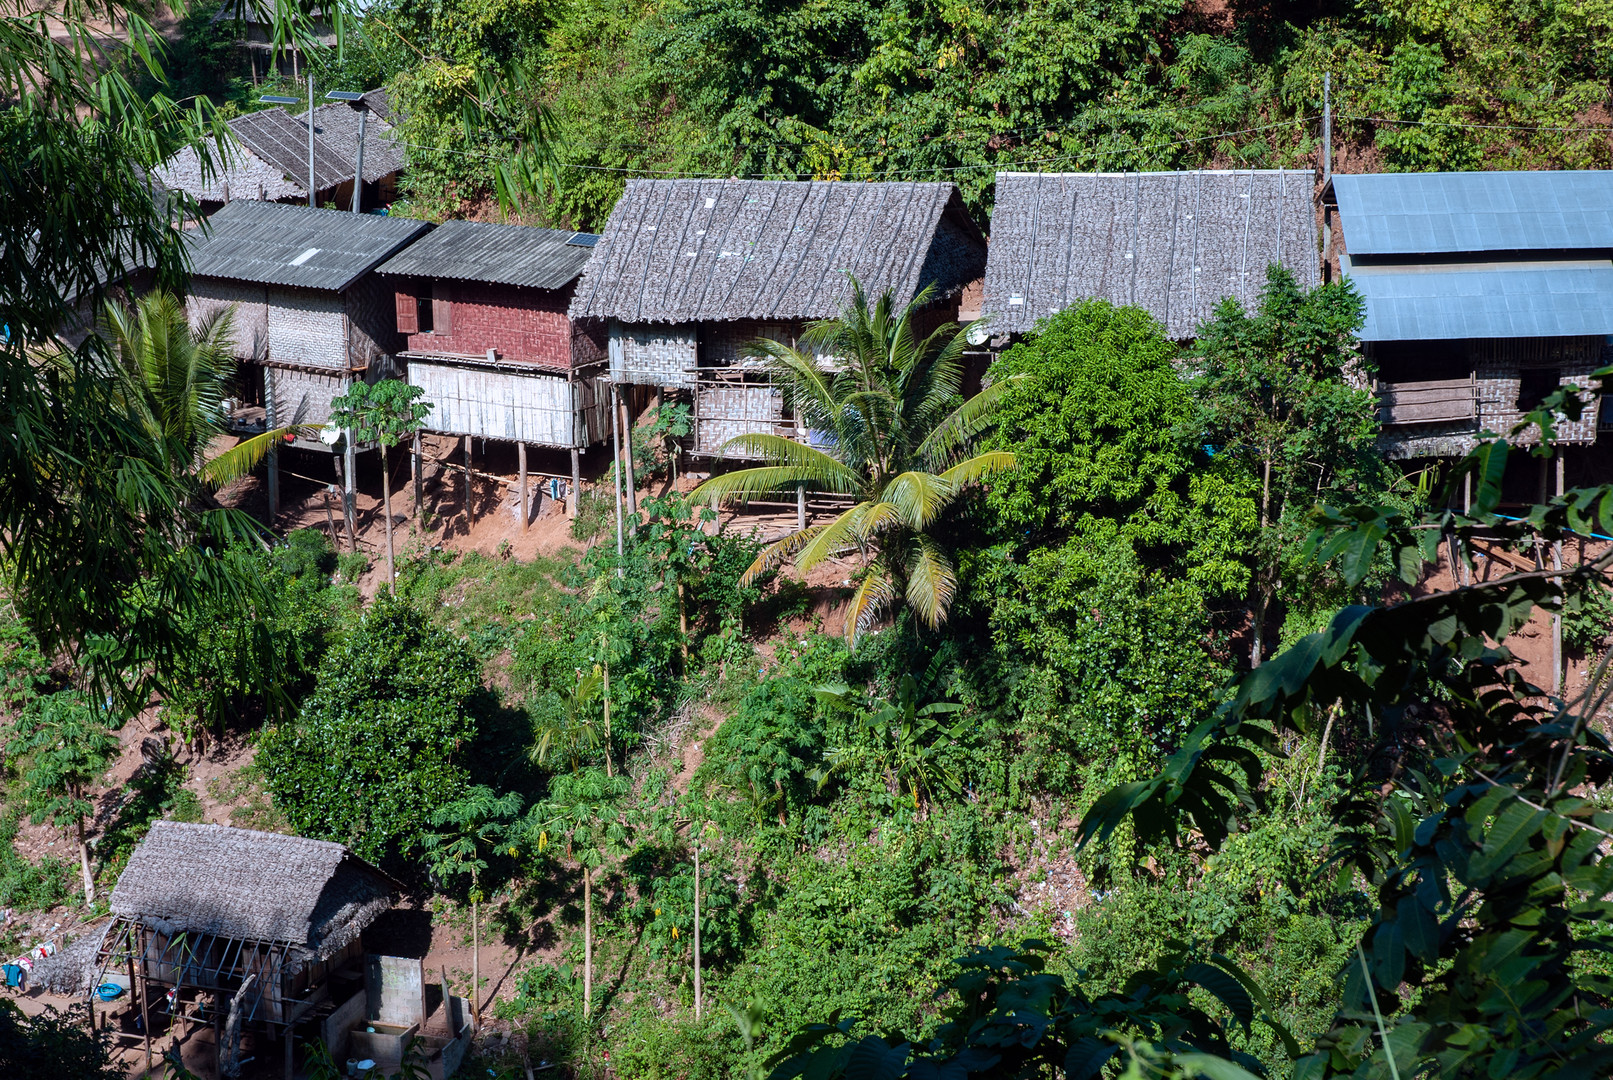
{"x": 526, "y": 326}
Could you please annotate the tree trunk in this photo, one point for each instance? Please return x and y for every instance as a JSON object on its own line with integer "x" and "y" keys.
{"x": 386, "y": 514}
{"x": 475, "y": 963}
{"x": 587, "y": 942}
{"x": 1262, "y": 592}
{"x": 608, "y": 770}
{"x": 697, "y": 931}
{"x": 84, "y": 863}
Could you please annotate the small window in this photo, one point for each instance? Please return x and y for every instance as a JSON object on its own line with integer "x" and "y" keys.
{"x": 442, "y": 308}
{"x": 1535, "y": 384}
{"x": 422, "y": 314}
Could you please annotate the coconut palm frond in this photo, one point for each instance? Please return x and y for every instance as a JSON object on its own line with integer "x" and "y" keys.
{"x": 965, "y": 422}
{"x": 872, "y": 599}
{"x": 847, "y": 528}
{"x": 978, "y": 467}
{"x": 919, "y": 497}
{"x": 245, "y": 456}
{"x": 932, "y": 581}
{"x": 773, "y": 479}
{"x": 775, "y": 554}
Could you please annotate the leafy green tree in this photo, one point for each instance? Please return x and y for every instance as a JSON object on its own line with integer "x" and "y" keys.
{"x": 892, "y": 413}
{"x": 1480, "y": 846}
{"x": 769, "y": 752}
{"x": 380, "y": 743}
{"x": 66, "y": 746}
{"x": 584, "y": 809}
{"x": 385, "y": 413}
{"x": 104, "y": 550}
{"x": 464, "y": 831}
{"x": 1281, "y": 393}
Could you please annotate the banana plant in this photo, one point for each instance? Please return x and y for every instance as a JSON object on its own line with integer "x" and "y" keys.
{"x": 911, "y": 740}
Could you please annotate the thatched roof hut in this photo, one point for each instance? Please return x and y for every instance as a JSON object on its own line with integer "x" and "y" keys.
{"x": 310, "y": 895}
{"x": 1175, "y": 244}
{"x": 681, "y": 251}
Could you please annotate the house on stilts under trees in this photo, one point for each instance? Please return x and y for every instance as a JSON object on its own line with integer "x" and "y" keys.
{"x": 688, "y": 271}
{"x": 1484, "y": 292}
{"x": 482, "y": 312}
{"x": 311, "y": 317}
{"x": 266, "y": 940}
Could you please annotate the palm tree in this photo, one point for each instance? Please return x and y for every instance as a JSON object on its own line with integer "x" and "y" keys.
{"x": 884, "y": 404}
{"x": 173, "y": 380}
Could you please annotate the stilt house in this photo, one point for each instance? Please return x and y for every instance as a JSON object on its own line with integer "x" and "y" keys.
{"x": 267, "y": 158}
{"x": 688, "y": 271}
{"x": 252, "y": 931}
{"x": 1484, "y": 292}
{"x": 1174, "y": 244}
{"x": 482, "y": 311}
{"x": 310, "y": 315}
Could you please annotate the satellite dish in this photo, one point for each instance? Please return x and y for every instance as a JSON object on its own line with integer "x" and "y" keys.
{"x": 979, "y": 334}
{"x": 330, "y": 435}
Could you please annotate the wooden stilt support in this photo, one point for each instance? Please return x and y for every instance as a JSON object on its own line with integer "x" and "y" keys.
{"x": 520, "y": 453}
{"x": 350, "y": 490}
{"x": 627, "y": 464}
{"x": 417, "y": 468}
{"x": 145, "y": 1011}
{"x": 272, "y": 466}
{"x": 576, "y": 484}
{"x": 288, "y": 1053}
{"x": 800, "y": 507}
{"x": 470, "y": 514}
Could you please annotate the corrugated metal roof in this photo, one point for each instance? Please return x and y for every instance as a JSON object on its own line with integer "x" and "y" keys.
{"x": 482, "y": 251}
{"x": 276, "y": 244}
{"x": 1486, "y": 300}
{"x": 1174, "y": 244}
{"x": 690, "y": 250}
{"x": 1444, "y": 213}
{"x": 282, "y": 140}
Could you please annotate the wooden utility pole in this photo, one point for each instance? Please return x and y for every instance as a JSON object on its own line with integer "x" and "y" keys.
{"x": 616, "y": 436}
{"x": 587, "y": 942}
{"x": 520, "y": 454}
{"x": 1557, "y": 618}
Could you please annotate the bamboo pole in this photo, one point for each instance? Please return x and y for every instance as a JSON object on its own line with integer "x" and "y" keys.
{"x": 470, "y": 518}
{"x": 418, "y": 467}
{"x": 587, "y": 942}
{"x": 576, "y": 484}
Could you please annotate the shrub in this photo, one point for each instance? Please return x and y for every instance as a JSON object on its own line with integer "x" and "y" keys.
{"x": 376, "y": 747}
{"x": 767, "y": 750}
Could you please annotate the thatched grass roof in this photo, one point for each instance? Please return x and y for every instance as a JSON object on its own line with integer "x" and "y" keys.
{"x": 1173, "y": 244}
{"x": 238, "y": 883}
{"x": 679, "y": 251}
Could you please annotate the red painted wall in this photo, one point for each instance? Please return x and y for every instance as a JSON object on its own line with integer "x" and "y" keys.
{"x": 523, "y": 325}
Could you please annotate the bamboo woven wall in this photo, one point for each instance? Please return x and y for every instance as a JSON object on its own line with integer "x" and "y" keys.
{"x": 724, "y": 410}
{"x": 520, "y": 406}
{"x": 653, "y": 356}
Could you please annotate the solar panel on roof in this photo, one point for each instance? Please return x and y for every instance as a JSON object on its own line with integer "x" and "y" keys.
{"x": 583, "y": 239}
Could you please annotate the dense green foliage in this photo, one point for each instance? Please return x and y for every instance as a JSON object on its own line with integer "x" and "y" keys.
{"x": 381, "y": 741}
{"x": 872, "y": 89}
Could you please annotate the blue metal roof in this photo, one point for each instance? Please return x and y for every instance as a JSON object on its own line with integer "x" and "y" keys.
{"x": 1442, "y": 213}
{"x": 1489, "y": 300}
